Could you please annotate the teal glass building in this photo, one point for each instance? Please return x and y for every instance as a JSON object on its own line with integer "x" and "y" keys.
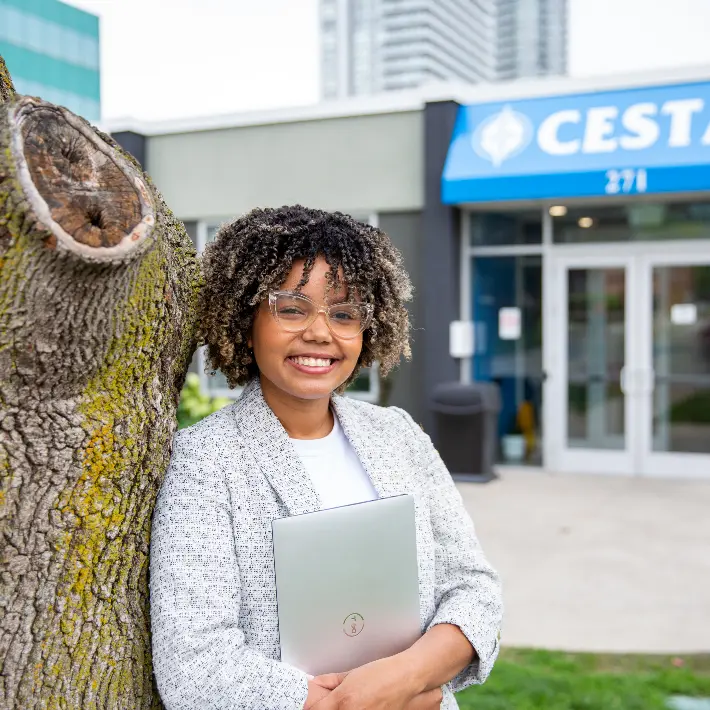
{"x": 52, "y": 51}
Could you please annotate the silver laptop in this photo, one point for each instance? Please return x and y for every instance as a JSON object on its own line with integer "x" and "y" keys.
{"x": 347, "y": 584}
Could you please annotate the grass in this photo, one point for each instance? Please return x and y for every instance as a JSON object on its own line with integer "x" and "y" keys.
{"x": 548, "y": 680}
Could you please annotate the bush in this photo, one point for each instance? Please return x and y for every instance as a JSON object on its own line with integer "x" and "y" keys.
{"x": 194, "y": 404}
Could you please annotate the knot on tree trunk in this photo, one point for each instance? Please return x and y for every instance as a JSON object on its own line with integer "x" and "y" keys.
{"x": 94, "y": 202}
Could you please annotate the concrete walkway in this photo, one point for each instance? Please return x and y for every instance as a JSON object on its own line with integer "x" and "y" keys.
{"x": 598, "y": 563}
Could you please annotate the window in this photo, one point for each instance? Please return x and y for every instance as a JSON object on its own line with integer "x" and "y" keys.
{"x": 365, "y": 387}
{"x": 638, "y": 221}
{"x": 29, "y": 31}
{"x": 506, "y": 228}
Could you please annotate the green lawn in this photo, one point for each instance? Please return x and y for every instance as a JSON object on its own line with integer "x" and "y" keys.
{"x": 545, "y": 680}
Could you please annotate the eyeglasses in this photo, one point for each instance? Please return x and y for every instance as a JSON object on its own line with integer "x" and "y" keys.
{"x": 295, "y": 312}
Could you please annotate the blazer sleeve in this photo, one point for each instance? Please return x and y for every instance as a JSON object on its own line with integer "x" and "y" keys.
{"x": 200, "y": 657}
{"x": 468, "y": 590}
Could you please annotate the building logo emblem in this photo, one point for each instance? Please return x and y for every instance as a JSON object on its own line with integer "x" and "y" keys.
{"x": 353, "y": 625}
{"x": 502, "y": 135}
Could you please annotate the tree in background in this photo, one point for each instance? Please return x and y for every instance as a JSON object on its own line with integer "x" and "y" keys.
{"x": 98, "y": 295}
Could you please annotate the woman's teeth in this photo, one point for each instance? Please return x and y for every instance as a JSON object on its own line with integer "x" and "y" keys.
{"x": 312, "y": 361}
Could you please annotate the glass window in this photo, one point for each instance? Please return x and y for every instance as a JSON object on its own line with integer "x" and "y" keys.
{"x": 16, "y": 24}
{"x": 212, "y": 230}
{"x": 4, "y": 22}
{"x": 641, "y": 221}
{"x": 49, "y": 38}
{"x": 506, "y": 228}
{"x": 510, "y": 353}
{"x": 681, "y": 358}
{"x": 53, "y": 40}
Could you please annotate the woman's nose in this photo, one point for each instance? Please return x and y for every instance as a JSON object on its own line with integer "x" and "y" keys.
{"x": 318, "y": 330}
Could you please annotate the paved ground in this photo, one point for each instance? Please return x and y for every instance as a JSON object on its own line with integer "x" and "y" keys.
{"x": 598, "y": 563}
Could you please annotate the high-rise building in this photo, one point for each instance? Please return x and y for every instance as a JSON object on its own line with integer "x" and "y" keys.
{"x": 368, "y": 46}
{"x": 52, "y": 51}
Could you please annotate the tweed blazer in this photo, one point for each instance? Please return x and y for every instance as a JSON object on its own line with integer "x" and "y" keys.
{"x": 212, "y": 584}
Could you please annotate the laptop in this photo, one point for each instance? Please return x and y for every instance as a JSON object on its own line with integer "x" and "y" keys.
{"x": 347, "y": 584}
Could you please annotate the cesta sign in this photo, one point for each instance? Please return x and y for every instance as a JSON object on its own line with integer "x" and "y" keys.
{"x": 605, "y": 130}
{"x": 641, "y": 140}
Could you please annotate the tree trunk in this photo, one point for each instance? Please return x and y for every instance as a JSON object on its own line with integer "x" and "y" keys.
{"x": 98, "y": 290}
{"x": 7, "y": 90}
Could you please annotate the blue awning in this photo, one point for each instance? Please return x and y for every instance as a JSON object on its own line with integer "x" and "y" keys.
{"x": 647, "y": 140}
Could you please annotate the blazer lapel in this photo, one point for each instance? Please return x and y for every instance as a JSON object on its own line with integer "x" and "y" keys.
{"x": 274, "y": 453}
{"x": 370, "y": 445}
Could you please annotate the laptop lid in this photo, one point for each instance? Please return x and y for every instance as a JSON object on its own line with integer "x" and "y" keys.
{"x": 347, "y": 584}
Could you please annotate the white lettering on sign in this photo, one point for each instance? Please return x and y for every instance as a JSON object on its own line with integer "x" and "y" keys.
{"x": 681, "y": 113}
{"x": 625, "y": 181}
{"x": 547, "y": 133}
{"x": 643, "y": 130}
{"x": 599, "y": 131}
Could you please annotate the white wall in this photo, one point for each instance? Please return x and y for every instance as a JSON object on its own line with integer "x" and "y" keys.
{"x": 363, "y": 164}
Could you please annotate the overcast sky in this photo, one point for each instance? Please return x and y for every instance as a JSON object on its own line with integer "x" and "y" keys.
{"x": 201, "y": 57}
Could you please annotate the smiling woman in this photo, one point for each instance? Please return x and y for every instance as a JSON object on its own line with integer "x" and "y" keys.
{"x": 296, "y": 301}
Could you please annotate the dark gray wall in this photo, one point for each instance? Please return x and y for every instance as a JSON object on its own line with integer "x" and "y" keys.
{"x": 439, "y": 282}
{"x": 404, "y": 228}
{"x": 134, "y": 143}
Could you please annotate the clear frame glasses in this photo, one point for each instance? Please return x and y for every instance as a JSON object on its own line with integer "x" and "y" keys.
{"x": 295, "y": 312}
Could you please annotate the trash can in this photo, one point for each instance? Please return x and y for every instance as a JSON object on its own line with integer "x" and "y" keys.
{"x": 467, "y": 428}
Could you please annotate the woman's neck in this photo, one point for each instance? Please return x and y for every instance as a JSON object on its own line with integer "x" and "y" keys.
{"x": 301, "y": 418}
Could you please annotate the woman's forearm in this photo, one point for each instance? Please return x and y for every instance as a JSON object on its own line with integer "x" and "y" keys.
{"x": 438, "y": 656}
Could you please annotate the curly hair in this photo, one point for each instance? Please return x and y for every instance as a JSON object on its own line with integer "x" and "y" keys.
{"x": 254, "y": 254}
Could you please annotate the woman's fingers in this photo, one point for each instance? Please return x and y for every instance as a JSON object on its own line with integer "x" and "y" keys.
{"x": 431, "y": 700}
{"x": 316, "y": 693}
{"x": 330, "y": 680}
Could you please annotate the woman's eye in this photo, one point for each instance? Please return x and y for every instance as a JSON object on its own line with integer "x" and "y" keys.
{"x": 290, "y": 311}
{"x": 343, "y": 315}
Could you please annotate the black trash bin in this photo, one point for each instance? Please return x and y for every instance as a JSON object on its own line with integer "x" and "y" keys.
{"x": 467, "y": 428}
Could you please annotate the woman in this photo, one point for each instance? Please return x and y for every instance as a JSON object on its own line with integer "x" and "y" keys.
{"x": 296, "y": 301}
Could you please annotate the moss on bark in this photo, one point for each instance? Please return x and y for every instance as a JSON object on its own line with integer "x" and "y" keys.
{"x": 7, "y": 89}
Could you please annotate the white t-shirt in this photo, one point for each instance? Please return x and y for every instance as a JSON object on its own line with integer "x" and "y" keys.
{"x": 334, "y": 468}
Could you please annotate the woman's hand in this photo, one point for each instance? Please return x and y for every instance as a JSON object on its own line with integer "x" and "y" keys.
{"x": 382, "y": 685}
{"x": 316, "y": 693}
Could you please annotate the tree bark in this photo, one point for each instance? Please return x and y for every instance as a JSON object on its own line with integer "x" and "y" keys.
{"x": 98, "y": 291}
{"x": 7, "y": 90}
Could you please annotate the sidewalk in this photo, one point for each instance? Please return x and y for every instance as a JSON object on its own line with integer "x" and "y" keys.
{"x": 598, "y": 563}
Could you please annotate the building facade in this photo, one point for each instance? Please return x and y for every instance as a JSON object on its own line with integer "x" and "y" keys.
{"x": 368, "y": 46}
{"x": 565, "y": 224}
{"x": 52, "y": 51}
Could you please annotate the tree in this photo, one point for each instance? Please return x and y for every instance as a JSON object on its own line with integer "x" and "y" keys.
{"x": 98, "y": 299}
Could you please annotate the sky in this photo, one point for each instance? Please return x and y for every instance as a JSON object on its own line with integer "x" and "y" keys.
{"x": 205, "y": 57}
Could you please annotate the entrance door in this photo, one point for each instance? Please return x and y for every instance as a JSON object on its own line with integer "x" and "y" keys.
{"x": 593, "y": 416}
{"x": 675, "y": 365}
{"x": 629, "y": 364}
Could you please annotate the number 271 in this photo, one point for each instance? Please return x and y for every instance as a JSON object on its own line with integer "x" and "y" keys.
{"x": 626, "y": 180}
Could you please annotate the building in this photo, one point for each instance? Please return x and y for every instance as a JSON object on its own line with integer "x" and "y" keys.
{"x": 564, "y": 225}
{"x": 368, "y": 46}
{"x": 52, "y": 51}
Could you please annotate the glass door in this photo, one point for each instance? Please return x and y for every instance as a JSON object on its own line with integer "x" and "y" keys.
{"x": 629, "y": 363}
{"x": 592, "y": 410}
{"x": 676, "y": 363}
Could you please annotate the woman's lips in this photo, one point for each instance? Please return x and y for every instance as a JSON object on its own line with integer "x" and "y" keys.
{"x": 303, "y": 364}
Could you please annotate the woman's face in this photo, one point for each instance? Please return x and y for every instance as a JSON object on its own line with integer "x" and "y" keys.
{"x": 279, "y": 354}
